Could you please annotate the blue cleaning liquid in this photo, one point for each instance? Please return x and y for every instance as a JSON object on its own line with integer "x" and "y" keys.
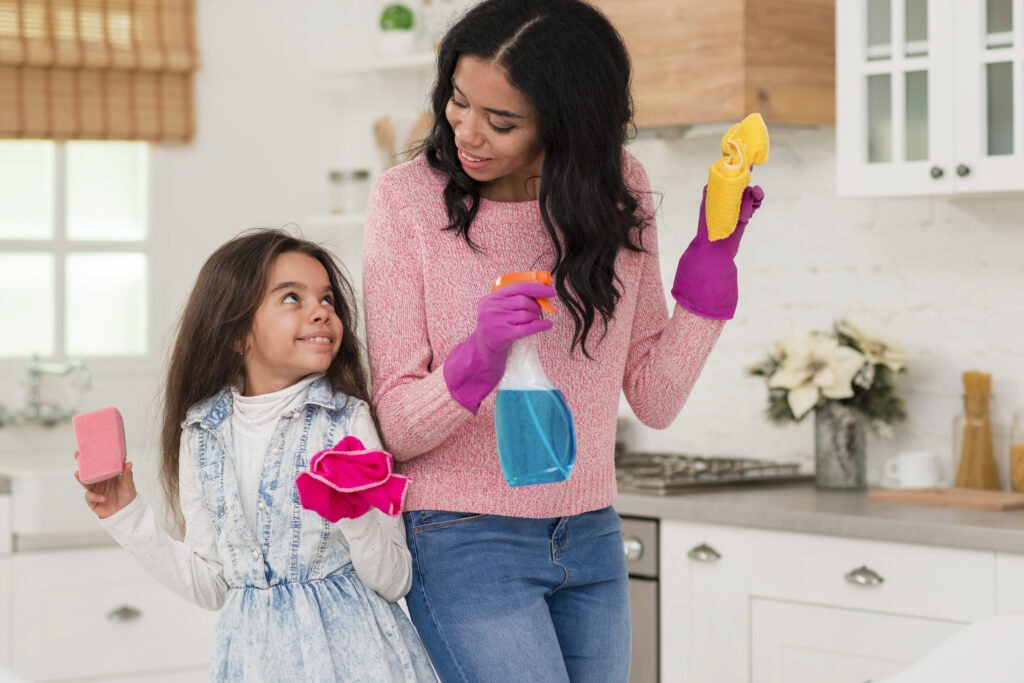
{"x": 536, "y": 436}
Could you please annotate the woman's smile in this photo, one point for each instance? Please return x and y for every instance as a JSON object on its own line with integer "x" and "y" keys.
{"x": 471, "y": 161}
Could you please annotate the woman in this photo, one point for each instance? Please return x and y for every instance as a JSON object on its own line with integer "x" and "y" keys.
{"x": 524, "y": 169}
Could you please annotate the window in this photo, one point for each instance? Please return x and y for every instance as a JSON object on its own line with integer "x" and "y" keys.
{"x": 74, "y": 234}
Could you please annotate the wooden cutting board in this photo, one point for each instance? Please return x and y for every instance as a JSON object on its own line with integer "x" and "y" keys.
{"x": 952, "y": 497}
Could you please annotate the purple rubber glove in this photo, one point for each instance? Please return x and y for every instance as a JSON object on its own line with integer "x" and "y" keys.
{"x": 705, "y": 281}
{"x": 475, "y": 366}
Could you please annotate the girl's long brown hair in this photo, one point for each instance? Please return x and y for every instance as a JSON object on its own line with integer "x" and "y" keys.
{"x": 216, "y": 321}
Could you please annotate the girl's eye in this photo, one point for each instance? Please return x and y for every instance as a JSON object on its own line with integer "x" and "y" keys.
{"x": 290, "y": 298}
{"x": 328, "y": 301}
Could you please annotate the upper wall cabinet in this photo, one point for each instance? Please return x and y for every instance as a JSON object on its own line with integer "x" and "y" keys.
{"x": 929, "y": 96}
{"x": 705, "y": 61}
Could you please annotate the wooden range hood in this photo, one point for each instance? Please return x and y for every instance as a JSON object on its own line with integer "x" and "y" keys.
{"x": 706, "y": 61}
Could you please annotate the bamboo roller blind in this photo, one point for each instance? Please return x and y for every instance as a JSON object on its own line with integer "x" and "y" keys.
{"x": 97, "y": 69}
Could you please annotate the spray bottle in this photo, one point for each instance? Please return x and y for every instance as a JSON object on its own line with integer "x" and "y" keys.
{"x": 534, "y": 427}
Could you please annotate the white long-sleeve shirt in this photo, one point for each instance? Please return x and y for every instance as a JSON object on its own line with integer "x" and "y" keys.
{"x": 192, "y": 567}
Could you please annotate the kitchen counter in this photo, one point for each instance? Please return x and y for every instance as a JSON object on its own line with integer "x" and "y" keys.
{"x": 802, "y": 508}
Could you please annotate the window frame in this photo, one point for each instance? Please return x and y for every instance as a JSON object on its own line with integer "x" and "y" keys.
{"x": 60, "y": 246}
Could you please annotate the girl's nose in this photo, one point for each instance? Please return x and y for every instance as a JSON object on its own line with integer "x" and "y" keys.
{"x": 322, "y": 312}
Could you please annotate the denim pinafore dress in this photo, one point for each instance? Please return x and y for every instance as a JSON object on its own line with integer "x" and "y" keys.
{"x": 295, "y": 609}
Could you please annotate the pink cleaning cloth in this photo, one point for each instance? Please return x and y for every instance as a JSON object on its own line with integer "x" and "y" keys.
{"x": 347, "y": 480}
{"x": 101, "y": 450}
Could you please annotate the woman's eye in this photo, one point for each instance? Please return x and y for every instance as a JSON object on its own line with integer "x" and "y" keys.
{"x": 458, "y": 104}
{"x": 502, "y": 129}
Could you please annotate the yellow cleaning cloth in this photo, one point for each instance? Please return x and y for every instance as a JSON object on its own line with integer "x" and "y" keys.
{"x": 743, "y": 145}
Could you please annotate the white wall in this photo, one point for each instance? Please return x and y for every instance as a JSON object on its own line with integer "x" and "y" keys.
{"x": 939, "y": 275}
{"x": 942, "y": 276}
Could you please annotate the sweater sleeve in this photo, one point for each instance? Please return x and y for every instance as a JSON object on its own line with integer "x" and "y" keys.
{"x": 377, "y": 541}
{"x": 666, "y": 355}
{"x": 414, "y": 408}
{"x": 191, "y": 568}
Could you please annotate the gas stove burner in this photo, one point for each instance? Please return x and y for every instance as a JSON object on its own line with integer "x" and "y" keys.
{"x": 665, "y": 473}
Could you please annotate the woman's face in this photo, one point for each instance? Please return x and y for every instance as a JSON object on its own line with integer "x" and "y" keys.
{"x": 495, "y": 131}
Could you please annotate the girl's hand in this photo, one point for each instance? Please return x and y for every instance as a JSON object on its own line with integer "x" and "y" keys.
{"x": 109, "y": 496}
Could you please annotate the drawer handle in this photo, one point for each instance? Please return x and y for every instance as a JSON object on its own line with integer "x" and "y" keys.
{"x": 864, "y": 576}
{"x": 704, "y": 553}
{"x": 633, "y": 547}
{"x": 124, "y": 614}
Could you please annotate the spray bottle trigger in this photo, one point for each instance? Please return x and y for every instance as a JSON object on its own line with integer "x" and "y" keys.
{"x": 539, "y": 276}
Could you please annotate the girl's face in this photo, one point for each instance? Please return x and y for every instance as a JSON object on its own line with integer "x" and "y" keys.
{"x": 495, "y": 131}
{"x": 295, "y": 331}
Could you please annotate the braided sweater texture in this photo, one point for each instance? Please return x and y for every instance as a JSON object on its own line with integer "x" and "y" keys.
{"x": 421, "y": 287}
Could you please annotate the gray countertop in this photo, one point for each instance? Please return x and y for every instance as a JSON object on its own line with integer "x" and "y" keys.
{"x": 801, "y": 507}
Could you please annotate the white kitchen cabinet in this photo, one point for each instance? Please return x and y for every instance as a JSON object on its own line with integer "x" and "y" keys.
{"x": 741, "y": 604}
{"x": 5, "y": 609}
{"x": 1009, "y": 583}
{"x": 94, "y": 615}
{"x": 704, "y": 604}
{"x": 929, "y": 96}
{"x": 798, "y": 643}
{"x": 877, "y": 576}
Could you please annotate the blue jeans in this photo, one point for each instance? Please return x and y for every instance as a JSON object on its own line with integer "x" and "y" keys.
{"x": 508, "y": 599}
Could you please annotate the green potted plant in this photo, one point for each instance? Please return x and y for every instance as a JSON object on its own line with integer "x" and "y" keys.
{"x": 397, "y": 25}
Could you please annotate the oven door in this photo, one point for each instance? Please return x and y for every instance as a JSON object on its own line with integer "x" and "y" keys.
{"x": 640, "y": 543}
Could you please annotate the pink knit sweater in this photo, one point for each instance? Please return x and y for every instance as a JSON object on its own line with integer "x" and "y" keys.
{"x": 422, "y": 284}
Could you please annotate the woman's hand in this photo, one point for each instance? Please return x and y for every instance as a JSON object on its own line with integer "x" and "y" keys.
{"x": 111, "y": 495}
{"x": 475, "y": 366}
{"x": 706, "y": 279}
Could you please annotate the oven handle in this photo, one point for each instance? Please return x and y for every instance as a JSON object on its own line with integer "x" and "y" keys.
{"x": 704, "y": 553}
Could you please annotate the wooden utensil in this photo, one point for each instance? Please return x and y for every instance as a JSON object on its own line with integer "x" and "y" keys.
{"x": 384, "y": 133}
{"x": 424, "y": 122}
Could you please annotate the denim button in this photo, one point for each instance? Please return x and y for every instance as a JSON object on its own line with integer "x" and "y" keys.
{"x": 277, "y": 451}
{"x": 262, "y": 505}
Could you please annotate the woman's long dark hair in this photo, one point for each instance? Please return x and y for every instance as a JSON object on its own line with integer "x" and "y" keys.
{"x": 219, "y": 316}
{"x": 570, "y": 64}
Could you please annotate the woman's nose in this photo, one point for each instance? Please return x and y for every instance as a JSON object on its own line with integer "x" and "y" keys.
{"x": 467, "y": 132}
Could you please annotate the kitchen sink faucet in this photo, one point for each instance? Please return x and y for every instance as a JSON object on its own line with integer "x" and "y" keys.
{"x": 48, "y": 413}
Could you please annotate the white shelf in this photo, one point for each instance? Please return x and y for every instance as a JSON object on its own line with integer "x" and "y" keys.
{"x": 341, "y": 221}
{"x": 407, "y": 62}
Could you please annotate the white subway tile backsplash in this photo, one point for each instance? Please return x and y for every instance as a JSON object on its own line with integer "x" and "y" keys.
{"x": 941, "y": 275}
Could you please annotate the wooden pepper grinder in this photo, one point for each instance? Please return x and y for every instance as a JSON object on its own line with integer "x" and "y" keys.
{"x": 977, "y": 469}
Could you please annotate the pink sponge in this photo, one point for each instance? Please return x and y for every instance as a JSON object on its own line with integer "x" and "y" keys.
{"x": 101, "y": 451}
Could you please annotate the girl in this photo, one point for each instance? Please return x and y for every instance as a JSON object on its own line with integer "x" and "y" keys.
{"x": 267, "y": 370}
{"x": 525, "y": 169}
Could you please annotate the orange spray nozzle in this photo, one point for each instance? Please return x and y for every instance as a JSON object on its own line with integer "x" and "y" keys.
{"x": 542, "y": 277}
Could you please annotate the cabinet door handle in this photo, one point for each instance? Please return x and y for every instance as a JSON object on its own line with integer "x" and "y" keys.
{"x": 936, "y": 172}
{"x": 864, "y": 576}
{"x": 704, "y": 553}
{"x": 633, "y": 548}
{"x": 962, "y": 170}
{"x": 124, "y": 614}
